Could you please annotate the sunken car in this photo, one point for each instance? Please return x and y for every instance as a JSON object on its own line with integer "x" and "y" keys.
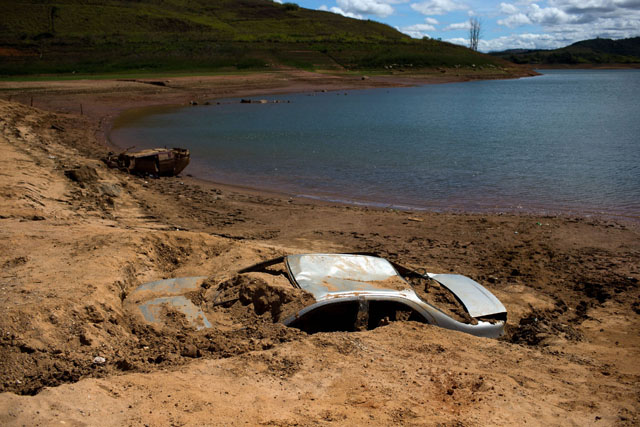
{"x": 154, "y": 161}
{"x": 355, "y": 292}
{"x": 350, "y": 292}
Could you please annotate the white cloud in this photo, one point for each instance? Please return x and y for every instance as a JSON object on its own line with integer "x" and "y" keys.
{"x": 416, "y": 34}
{"x": 437, "y": 7}
{"x": 522, "y": 41}
{"x": 366, "y": 7}
{"x": 548, "y": 23}
{"x": 514, "y": 21}
{"x": 508, "y": 8}
{"x": 515, "y": 41}
{"x": 563, "y": 22}
{"x": 457, "y": 26}
{"x": 534, "y": 14}
{"x": 459, "y": 40}
{"x": 420, "y": 27}
{"x": 419, "y": 31}
{"x": 548, "y": 15}
{"x": 339, "y": 11}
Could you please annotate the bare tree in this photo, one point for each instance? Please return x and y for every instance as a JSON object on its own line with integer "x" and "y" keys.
{"x": 475, "y": 28}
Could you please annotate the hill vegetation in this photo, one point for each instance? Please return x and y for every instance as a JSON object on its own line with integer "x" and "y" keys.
{"x": 595, "y": 51}
{"x": 63, "y": 36}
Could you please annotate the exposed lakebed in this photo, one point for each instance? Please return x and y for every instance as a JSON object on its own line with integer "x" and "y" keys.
{"x": 566, "y": 141}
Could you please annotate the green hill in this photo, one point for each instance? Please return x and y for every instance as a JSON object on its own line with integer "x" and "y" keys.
{"x": 595, "y": 51}
{"x": 63, "y": 36}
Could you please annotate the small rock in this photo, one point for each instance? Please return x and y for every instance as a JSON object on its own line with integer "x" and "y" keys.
{"x": 83, "y": 174}
{"x": 85, "y": 339}
{"x": 190, "y": 350}
{"x": 110, "y": 190}
{"x": 124, "y": 365}
{"x": 99, "y": 360}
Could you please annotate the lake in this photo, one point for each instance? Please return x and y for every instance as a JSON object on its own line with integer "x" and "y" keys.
{"x": 567, "y": 141}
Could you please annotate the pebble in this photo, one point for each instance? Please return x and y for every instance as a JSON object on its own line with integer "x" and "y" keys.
{"x": 99, "y": 360}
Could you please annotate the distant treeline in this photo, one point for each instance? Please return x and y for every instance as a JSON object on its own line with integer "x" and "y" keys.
{"x": 595, "y": 51}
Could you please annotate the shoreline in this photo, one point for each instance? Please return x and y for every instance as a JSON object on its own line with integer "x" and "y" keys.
{"x": 585, "y": 66}
{"x": 104, "y": 110}
{"x": 496, "y": 208}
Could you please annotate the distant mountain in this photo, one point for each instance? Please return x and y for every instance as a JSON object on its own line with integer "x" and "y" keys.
{"x": 595, "y": 51}
{"x": 58, "y": 36}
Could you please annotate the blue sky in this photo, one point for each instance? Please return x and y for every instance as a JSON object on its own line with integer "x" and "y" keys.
{"x": 528, "y": 24}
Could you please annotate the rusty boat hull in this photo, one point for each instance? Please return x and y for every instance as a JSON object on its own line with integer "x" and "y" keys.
{"x": 155, "y": 161}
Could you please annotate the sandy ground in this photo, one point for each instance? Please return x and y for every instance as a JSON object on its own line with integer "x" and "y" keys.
{"x": 77, "y": 238}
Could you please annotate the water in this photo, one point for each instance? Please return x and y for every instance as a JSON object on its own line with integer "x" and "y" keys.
{"x": 566, "y": 141}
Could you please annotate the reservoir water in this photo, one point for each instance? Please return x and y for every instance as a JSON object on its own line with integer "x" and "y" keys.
{"x": 563, "y": 142}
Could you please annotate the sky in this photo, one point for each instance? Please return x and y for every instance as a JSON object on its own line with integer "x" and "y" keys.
{"x": 529, "y": 24}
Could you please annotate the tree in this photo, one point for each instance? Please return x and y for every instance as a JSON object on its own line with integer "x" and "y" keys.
{"x": 475, "y": 28}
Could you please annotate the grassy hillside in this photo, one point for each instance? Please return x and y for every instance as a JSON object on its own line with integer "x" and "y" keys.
{"x": 63, "y": 36}
{"x": 595, "y": 51}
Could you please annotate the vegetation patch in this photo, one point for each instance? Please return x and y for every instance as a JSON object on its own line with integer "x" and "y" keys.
{"x": 595, "y": 51}
{"x": 73, "y": 36}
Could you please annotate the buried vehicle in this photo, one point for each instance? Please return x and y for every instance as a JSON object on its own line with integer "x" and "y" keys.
{"x": 349, "y": 292}
{"x": 362, "y": 292}
{"x": 154, "y": 161}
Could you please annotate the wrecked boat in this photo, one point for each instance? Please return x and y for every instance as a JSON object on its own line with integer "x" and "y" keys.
{"x": 349, "y": 292}
{"x": 154, "y": 161}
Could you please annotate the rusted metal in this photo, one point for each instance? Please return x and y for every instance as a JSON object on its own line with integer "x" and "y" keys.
{"x": 334, "y": 278}
{"x": 477, "y": 300}
{"x": 152, "y": 311}
{"x": 152, "y": 299}
{"x": 175, "y": 286}
{"x": 155, "y": 161}
{"x": 326, "y": 275}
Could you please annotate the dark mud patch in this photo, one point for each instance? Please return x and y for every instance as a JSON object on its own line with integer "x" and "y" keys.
{"x": 605, "y": 286}
{"x": 539, "y": 327}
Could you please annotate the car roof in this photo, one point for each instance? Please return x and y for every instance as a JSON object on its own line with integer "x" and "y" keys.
{"x": 335, "y": 275}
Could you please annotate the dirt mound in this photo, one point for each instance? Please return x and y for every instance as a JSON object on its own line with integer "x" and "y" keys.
{"x": 538, "y": 328}
{"x": 84, "y": 174}
{"x": 280, "y": 301}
